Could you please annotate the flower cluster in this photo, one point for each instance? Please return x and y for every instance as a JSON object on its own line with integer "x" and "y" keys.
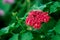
{"x": 36, "y": 17}
{"x": 1, "y": 12}
{"x": 8, "y": 1}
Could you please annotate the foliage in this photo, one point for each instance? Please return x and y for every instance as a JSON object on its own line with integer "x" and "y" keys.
{"x": 13, "y": 26}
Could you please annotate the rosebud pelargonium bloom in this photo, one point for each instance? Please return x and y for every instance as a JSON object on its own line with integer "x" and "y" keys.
{"x": 1, "y": 12}
{"x": 9, "y": 1}
{"x": 36, "y": 17}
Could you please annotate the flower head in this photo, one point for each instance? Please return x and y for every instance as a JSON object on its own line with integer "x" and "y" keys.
{"x": 8, "y": 1}
{"x": 1, "y": 12}
{"x": 36, "y": 17}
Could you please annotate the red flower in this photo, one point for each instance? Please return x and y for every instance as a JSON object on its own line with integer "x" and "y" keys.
{"x": 37, "y": 25}
{"x": 36, "y": 17}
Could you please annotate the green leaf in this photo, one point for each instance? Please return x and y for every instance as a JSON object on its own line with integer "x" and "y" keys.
{"x": 57, "y": 27}
{"x": 40, "y": 7}
{"x": 35, "y": 7}
{"x": 53, "y": 7}
{"x": 11, "y": 25}
{"x": 48, "y": 26}
{"x": 56, "y": 37}
{"x": 14, "y": 37}
{"x": 27, "y": 36}
{"x": 6, "y": 29}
